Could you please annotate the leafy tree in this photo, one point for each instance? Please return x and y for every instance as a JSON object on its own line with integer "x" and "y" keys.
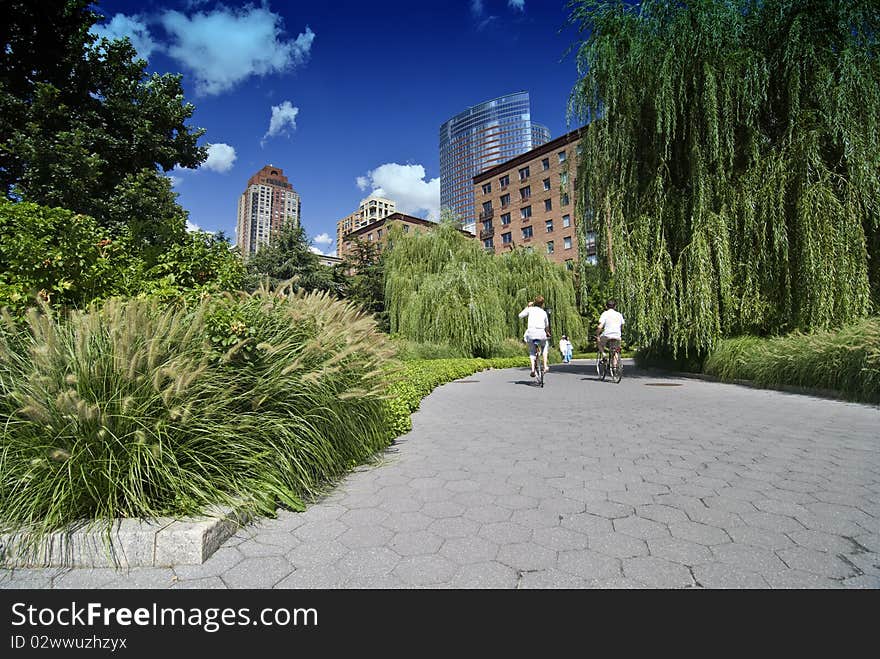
{"x": 365, "y": 280}
{"x": 81, "y": 120}
{"x": 731, "y": 162}
{"x": 287, "y": 257}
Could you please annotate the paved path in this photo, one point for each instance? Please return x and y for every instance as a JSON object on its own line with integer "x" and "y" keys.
{"x": 657, "y": 482}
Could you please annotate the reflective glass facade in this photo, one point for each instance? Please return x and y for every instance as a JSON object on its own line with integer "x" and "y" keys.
{"x": 481, "y": 137}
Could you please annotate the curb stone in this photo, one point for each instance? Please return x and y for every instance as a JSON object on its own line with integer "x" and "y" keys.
{"x": 164, "y": 542}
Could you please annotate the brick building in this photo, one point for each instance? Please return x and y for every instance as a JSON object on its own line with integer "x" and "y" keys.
{"x": 377, "y": 232}
{"x": 266, "y": 203}
{"x": 371, "y": 209}
{"x": 528, "y": 201}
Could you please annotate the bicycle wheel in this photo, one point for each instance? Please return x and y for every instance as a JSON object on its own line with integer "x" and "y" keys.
{"x": 617, "y": 368}
{"x": 599, "y": 364}
{"x": 603, "y": 366}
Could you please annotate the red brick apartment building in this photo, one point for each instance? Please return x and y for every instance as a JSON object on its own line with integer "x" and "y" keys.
{"x": 528, "y": 202}
{"x": 377, "y": 232}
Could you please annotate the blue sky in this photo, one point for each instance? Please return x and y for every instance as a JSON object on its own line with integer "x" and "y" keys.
{"x": 346, "y": 97}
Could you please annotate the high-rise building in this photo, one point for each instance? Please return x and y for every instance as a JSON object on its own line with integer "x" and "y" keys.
{"x": 372, "y": 209}
{"x": 481, "y": 137}
{"x": 263, "y": 207}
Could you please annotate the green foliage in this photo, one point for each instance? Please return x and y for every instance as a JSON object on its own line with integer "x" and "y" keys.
{"x": 442, "y": 287}
{"x": 420, "y": 377}
{"x": 365, "y": 285}
{"x": 846, "y": 361}
{"x": 730, "y": 166}
{"x": 199, "y": 262}
{"x": 137, "y": 410}
{"x": 287, "y": 258}
{"x": 412, "y": 350}
{"x": 53, "y": 255}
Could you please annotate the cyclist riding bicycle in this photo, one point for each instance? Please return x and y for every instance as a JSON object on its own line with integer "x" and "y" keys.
{"x": 538, "y": 329}
{"x": 610, "y": 327}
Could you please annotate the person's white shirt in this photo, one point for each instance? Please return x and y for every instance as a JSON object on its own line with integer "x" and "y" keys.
{"x": 564, "y": 344}
{"x": 611, "y": 323}
{"x": 537, "y": 321}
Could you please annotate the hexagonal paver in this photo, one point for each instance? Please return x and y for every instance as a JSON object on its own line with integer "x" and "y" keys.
{"x": 484, "y": 575}
{"x": 316, "y": 531}
{"x": 425, "y": 570}
{"x": 263, "y": 572}
{"x": 544, "y": 579}
{"x": 817, "y": 562}
{"x": 516, "y": 502}
{"x": 609, "y": 509}
{"x": 719, "y": 575}
{"x": 536, "y": 519}
{"x": 488, "y": 513}
{"x": 749, "y": 535}
{"x": 745, "y": 557}
{"x": 638, "y": 527}
{"x": 413, "y": 543}
{"x": 656, "y": 572}
{"x": 661, "y": 514}
{"x": 526, "y": 556}
{"x": 366, "y": 536}
{"x": 469, "y": 550}
{"x": 310, "y": 554}
{"x": 318, "y": 576}
{"x": 559, "y": 538}
{"x": 408, "y": 521}
{"x": 799, "y": 579}
{"x": 367, "y": 562}
{"x": 618, "y": 545}
{"x": 679, "y": 551}
{"x": 587, "y": 523}
{"x": 504, "y": 533}
{"x": 588, "y": 564}
{"x": 441, "y": 509}
{"x": 698, "y": 533}
{"x": 454, "y": 527}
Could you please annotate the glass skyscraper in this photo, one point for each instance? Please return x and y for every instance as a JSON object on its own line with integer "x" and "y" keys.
{"x": 481, "y": 137}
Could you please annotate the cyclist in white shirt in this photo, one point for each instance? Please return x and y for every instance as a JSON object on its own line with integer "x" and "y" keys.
{"x": 610, "y": 326}
{"x": 538, "y": 328}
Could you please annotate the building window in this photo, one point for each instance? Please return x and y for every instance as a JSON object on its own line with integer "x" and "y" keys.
{"x": 548, "y": 205}
{"x": 523, "y": 173}
{"x": 525, "y": 212}
{"x": 561, "y": 155}
{"x": 563, "y": 200}
{"x": 569, "y": 264}
{"x": 566, "y": 242}
{"x": 378, "y": 233}
{"x": 487, "y": 207}
{"x": 488, "y": 244}
{"x": 504, "y": 181}
{"x": 370, "y": 237}
{"x": 546, "y": 183}
{"x": 550, "y": 246}
{"x": 545, "y": 164}
{"x": 549, "y": 225}
{"x": 406, "y": 228}
{"x": 505, "y": 200}
{"x": 487, "y": 188}
{"x": 525, "y": 192}
{"x": 566, "y": 221}
{"x": 592, "y": 260}
{"x": 563, "y": 179}
{"x": 506, "y": 238}
{"x": 526, "y": 233}
{"x": 505, "y": 219}
{"x": 487, "y": 225}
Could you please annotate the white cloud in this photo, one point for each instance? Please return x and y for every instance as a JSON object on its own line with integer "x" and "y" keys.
{"x": 315, "y": 250}
{"x": 220, "y": 157}
{"x": 225, "y": 46}
{"x": 363, "y": 182}
{"x": 407, "y": 186}
{"x": 175, "y": 180}
{"x": 132, "y": 27}
{"x": 477, "y": 7}
{"x": 283, "y": 121}
{"x": 323, "y": 239}
{"x": 517, "y": 4}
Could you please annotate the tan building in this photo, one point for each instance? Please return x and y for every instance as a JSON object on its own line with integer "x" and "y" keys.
{"x": 529, "y": 202}
{"x": 372, "y": 209}
{"x": 263, "y": 207}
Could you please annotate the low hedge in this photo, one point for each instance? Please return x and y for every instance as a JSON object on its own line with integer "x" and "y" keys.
{"x": 417, "y": 378}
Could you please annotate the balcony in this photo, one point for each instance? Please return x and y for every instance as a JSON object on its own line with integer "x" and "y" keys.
{"x": 486, "y": 233}
{"x": 486, "y": 215}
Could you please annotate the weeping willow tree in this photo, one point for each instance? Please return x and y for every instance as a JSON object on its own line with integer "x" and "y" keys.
{"x": 731, "y": 164}
{"x": 443, "y": 287}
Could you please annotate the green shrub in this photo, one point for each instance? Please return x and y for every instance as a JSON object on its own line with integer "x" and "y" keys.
{"x": 137, "y": 410}
{"x": 846, "y": 360}
{"x": 411, "y": 350}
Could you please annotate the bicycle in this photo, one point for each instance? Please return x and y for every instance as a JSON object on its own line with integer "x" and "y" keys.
{"x": 614, "y": 367}
{"x": 539, "y": 362}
